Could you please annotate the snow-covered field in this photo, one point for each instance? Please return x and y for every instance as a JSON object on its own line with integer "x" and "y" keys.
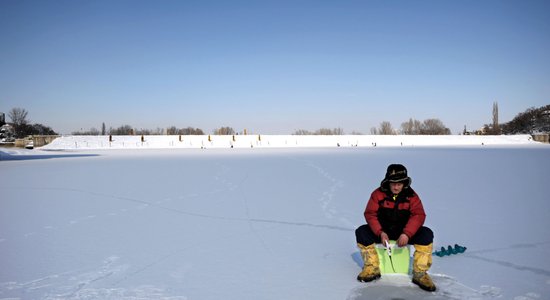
{"x": 257, "y": 223}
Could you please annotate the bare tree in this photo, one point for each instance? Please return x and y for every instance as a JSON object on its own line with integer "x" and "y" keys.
{"x": 143, "y": 131}
{"x": 18, "y": 116}
{"x": 434, "y": 127}
{"x": 172, "y": 130}
{"x": 411, "y": 127}
{"x": 386, "y": 129}
{"x": 224, "y": 131}
{"x": 103, "y": 130}
{"x": 322, "y": 131}
{"x": 19, "y": 121}
{"x": 92, "y": 131}
{"x": 155, "y": 131}
{"x": 123, "y": 130}
{"x": 328, "y": 131}
{"x": 191, "y": 131}
{"x": 338, "y": 131}
{"x": 374, "y": 131}
{"x": 302, "y": 132}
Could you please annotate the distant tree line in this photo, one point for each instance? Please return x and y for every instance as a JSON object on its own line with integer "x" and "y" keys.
{"x": 22, "y": 127}
{"x": 322, "y": 131}
{"x": 224, "y": 131}
{"x": 426, "y": 127}
{"x": 129, "y": 130}
{"x": 411, "y": 127}
{"x": 184, "y": 131}
{"x": 533, "y": 120}
{"x": 172, "y": 130}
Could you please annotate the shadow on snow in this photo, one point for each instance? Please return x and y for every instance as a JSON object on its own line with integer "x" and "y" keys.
{"x": 7, "y": 156}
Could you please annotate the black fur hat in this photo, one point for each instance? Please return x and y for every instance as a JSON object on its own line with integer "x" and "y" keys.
{"x": 396, "y": 173}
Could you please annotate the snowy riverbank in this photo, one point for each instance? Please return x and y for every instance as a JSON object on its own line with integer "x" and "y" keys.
{"x": 279, "y": 141}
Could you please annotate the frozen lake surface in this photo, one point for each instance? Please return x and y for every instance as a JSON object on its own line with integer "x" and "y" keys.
{"x": 263, "y": 223}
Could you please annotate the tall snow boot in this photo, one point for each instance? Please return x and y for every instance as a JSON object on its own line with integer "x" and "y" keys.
{"x": 422, "y": 261}
{"x": 371, "y": 264}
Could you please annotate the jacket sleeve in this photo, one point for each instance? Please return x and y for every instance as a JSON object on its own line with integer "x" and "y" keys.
{"x": 417, "y": 218}
{"x": 371, "y": 214}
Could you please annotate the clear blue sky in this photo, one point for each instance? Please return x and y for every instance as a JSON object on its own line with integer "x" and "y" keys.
{"x": 272, "y": 66}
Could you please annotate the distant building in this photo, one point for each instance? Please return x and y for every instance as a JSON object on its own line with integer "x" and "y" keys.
{"x": 2, "y": 118}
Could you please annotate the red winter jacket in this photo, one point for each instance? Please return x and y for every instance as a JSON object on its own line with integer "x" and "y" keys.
{"x": 383, "y": 215}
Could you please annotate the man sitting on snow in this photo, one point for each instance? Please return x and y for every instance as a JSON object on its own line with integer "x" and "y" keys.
{"x": 395, "y": 212}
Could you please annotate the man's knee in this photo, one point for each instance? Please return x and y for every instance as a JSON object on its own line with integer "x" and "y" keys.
{"x": 361, "y": 230}
{"x": 424, "y": 236}
{"x": 364, "y": 235}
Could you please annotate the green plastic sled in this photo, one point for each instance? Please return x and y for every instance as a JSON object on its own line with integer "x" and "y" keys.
{"x": 401, "y": 258}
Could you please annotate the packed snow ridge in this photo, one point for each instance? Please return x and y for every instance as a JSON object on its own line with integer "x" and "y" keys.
{"x": 279, "y": 141}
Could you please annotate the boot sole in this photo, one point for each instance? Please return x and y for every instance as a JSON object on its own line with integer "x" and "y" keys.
{"x": 368, "y": 279}
{"x": 426, "y": 288}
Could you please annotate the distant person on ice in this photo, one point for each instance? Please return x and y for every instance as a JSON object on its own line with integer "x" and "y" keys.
{"x": 395, "y": 212}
